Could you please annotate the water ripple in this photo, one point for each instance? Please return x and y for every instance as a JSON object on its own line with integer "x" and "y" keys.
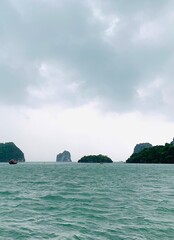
{"x": 86, "y": 201}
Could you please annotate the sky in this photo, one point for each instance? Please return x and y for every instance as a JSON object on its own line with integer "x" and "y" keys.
{"x": 87, "y": 76}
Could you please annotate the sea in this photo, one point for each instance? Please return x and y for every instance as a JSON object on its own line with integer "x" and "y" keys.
{"x": 86, "y": 201}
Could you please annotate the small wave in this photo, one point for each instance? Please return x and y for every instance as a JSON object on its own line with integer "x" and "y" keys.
{"x": 6, "y": 193}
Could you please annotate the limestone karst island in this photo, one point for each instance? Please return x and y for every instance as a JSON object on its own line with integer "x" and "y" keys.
{"x": 9, "y": 151}
{"x": 95, "y": 159}
{"x": 146, "y": 153}
{"x": 143, "y": 153}
{"x": 64, "y": 157}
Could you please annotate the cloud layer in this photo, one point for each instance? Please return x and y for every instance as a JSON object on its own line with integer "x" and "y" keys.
{"x": 117, "y": 53}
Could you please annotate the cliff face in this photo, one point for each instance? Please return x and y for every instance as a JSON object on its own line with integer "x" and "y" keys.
{"x": 10, "y": 151}
{"x": 64, "y": 157}
{"x": 139, "y": 147}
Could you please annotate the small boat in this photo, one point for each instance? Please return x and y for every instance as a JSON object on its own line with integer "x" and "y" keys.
{"x": 12, "y": 161}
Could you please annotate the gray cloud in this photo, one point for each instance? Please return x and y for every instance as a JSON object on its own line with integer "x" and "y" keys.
{"x": 73, "y": 51}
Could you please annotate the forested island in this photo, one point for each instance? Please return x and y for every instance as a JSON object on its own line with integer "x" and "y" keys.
{"x": 10, "y": 151}
{"x": 95, "y": 159}
{"x": 155, "y": 154}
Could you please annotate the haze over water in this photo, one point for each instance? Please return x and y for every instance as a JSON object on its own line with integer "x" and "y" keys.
{"x": 86, "y": 201}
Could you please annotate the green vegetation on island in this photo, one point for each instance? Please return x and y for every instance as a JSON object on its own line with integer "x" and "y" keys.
{"x": 156, "y": 154}
{"x": 95, "y": 159}
{"x": 10, "y": 151}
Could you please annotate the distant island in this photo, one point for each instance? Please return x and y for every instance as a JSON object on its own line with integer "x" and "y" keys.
{"x": 154, "y": 154}
{"x": 64, "y": 157}
{"x": 10, "y": 151}
{"x": 95, "y": 159}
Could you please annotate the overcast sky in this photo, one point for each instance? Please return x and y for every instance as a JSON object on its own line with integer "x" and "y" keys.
{"x": 87, "y": 76}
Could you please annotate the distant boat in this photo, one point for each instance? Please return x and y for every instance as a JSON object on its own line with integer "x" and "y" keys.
{"x": 12, "y": 161}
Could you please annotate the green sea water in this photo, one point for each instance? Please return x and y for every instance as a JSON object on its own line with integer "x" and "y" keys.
{"x": 86, "y": 201}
